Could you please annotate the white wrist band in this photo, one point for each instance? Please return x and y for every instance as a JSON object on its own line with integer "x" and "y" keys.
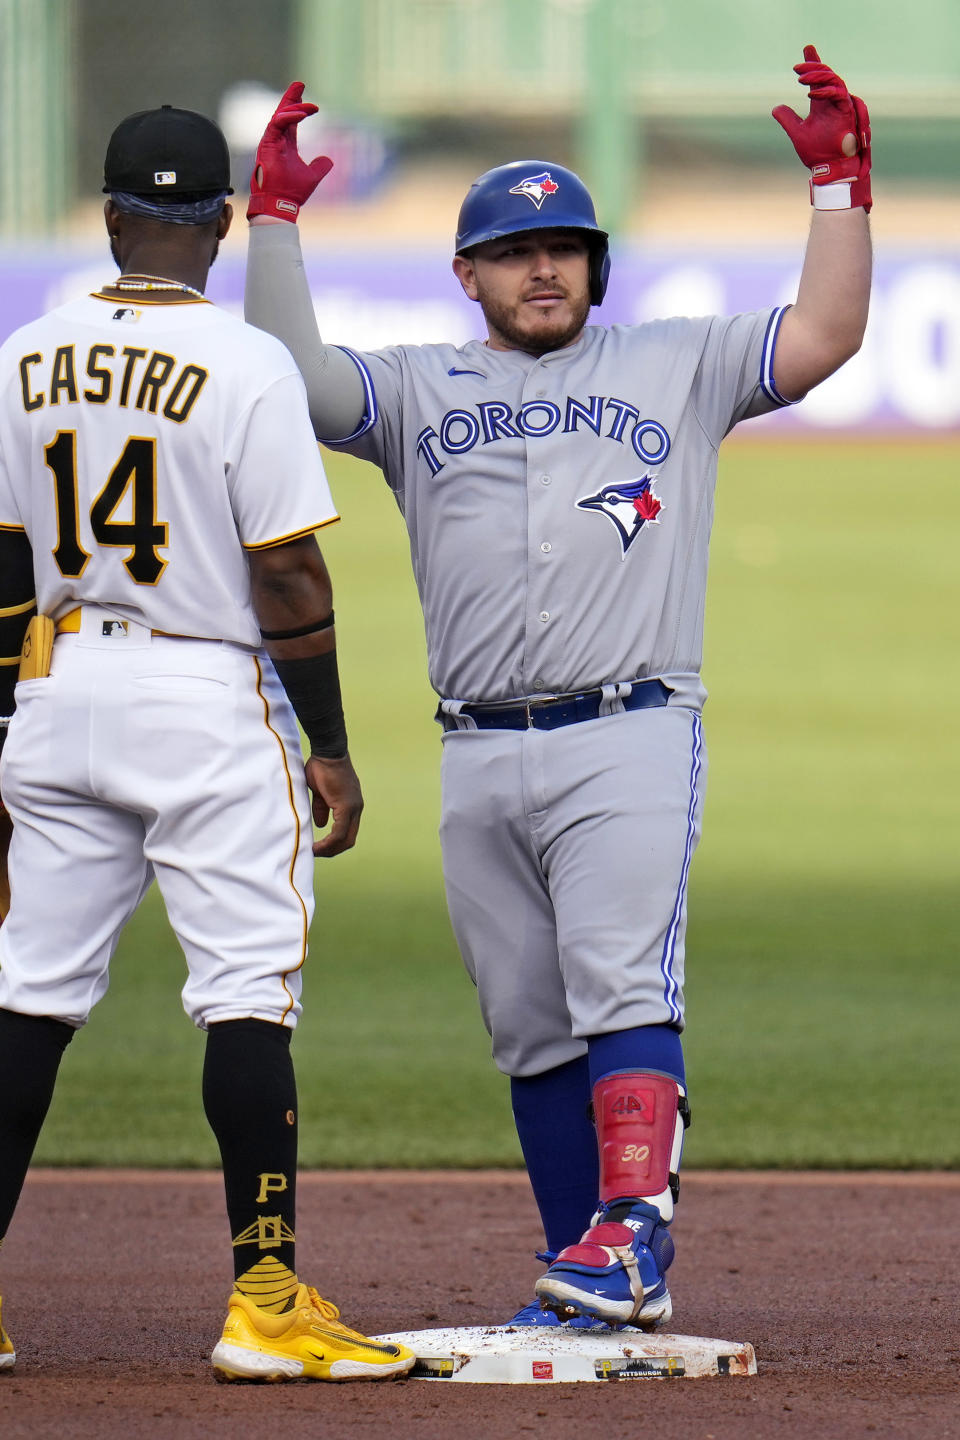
{"x": 835, "y": 196}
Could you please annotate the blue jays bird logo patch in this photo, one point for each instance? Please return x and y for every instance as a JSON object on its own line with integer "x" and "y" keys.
{"x": 629, "y": 506}
{"x": 536, "y": 188}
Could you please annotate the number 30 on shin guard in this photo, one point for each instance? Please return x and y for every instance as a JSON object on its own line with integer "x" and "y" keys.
{"x": 640, "y": 1120}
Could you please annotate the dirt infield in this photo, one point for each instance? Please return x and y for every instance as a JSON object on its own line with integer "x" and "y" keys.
{"x": 847, "y": 1286}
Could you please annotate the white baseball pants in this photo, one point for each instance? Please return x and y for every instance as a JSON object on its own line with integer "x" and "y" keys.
{"x": 142, "y": 756}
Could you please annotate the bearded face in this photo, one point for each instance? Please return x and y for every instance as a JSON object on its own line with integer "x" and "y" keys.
{"x": 533, "y": 288}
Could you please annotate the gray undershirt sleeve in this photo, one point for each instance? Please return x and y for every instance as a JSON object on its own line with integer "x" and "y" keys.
{"x": 277, "y": 299}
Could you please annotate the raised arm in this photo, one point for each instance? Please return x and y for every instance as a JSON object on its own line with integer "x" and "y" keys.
{"x": 825, "y": 326}
{"x": 277, "y": 294}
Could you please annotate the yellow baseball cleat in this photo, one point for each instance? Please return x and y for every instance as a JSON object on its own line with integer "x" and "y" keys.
{"x": 7, "y": 1353}
{"x": 305, "y": 1343}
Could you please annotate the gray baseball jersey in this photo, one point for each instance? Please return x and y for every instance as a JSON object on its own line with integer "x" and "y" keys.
{"x": 559, "y": 511}
{"x": 560, "y": 507}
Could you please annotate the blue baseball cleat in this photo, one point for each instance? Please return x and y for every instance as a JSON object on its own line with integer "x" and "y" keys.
{"x": 616, "y": 1273}
{"x": 534, "y": 1314}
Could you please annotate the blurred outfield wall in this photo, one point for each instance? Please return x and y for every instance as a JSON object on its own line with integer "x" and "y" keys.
{"x": 692, "y": 83}
{"x": 614, "y": 86}
{"x": 621, "y": 82}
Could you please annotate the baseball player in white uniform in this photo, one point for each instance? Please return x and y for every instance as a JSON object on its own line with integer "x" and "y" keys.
{"x": 160, "y": 489}
{"x": 557, "y": 484}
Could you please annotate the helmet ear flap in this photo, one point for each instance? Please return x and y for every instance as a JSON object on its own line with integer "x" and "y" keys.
{"x": 599, "y": 273}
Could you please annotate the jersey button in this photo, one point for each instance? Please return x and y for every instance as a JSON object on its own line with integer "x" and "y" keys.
{"x": 544, "y": 616}
{"x": 544, "y": 479}
{"x": 538, "y": 684}
{"x": 546, "y": 547}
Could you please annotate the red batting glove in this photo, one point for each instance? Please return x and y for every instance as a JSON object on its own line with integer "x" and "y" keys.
{"x": 281, "y": 180}
{"x": 838, "y": 123}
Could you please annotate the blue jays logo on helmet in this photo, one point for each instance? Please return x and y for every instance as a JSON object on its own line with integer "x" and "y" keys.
{"x": 509, "y": 200}
{"x": 536, "y": 187}
{"x": 629, "y": 506}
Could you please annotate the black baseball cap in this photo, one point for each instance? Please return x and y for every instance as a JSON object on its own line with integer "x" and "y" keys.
{"x": 167, "y": 154}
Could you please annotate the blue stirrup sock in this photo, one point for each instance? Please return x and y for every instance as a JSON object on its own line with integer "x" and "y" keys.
{"x": 645, "y": 1048}
{"x": 559, "y": 1144}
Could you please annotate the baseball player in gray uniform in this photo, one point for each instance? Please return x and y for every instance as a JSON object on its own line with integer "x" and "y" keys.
{"x": 557, "y": 483}
{"x": 181, "y": 624}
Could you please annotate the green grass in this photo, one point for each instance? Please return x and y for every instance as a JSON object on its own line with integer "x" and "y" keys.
{"x": 821, "y": 981}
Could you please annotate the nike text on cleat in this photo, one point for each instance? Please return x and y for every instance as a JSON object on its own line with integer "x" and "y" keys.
{"x": 616, "y": 1273}
{"x": 305, "y": 1343}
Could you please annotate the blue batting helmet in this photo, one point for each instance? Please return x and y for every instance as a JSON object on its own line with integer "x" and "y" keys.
{"x": 533, "y": 195}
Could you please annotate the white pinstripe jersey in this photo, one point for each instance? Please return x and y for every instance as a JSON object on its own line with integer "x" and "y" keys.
{"x": 145, "y": 448}
{"x": 560, "y": 508}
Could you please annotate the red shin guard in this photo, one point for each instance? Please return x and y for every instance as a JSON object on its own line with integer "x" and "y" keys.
{"x": 639, "y": 1134}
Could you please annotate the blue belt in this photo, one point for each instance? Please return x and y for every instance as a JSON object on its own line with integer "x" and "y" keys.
{"x": 553, "y": 711}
